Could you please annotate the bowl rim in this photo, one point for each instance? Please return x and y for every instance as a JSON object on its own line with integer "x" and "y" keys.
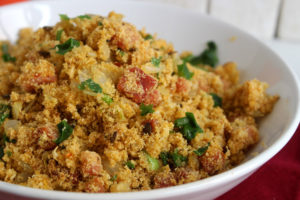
{"x": 239, "y": 171}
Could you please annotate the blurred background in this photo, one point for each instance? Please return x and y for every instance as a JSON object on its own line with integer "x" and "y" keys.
{"x": 275, "y": 22}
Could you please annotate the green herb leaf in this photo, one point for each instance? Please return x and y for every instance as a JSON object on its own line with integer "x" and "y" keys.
{"x": 217, "y": 100}
{"x": 188, "y": 126}
{"x": 145, "y": 109}
{"x": 65, "y": 130}
{"x": 58, "y": 34}
{"x": 164, "y": 156}
{"x": 67, "y": 46}
{"x": 178, "y": 159}
{"x": 184, "y": 72}
{"x": 113, "y": 178}
{"x": 148, "y": 37}
{"x": 122, "y": 53}
{"x": 202, "y": 150}
{"x": 187, "y": 58}
{"x": 156, "y": 61}
{"x": 174, "y": 159}
{"x": 5, "y": 54}
{"x": 91, "y": 85}
{"x": 153, "y": 162}
{"x": 130, "y": 165}
{"x": 84, "y": 17}
{"x": 6, "y": 139}
{"x": 64, "y": 17}
{"x": 208, "y": 56}
{"x": 107, "y": 99}
{"x": 5, "y": 111}
{"x": 100, "y": 24}
{"x": 8, "y": 153}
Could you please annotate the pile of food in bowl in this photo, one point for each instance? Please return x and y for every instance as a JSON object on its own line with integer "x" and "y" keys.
{"x": 94, "y": 105}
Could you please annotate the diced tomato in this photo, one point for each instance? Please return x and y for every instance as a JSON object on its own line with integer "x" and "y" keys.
{"x": 90, "y": 163}
{"x": 34, "y": 75}
{"x": 46, "y": 135}
{"x": 212, "y": 161}
{"x": 127, "y": 37}
{"x": 139, "y": 86}
{"x": 182, "y": 85}
{"x": 162, "y": 180}
{"x": 95, "y": 185}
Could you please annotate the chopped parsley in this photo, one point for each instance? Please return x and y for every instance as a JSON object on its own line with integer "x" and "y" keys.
{"x": 64, "y": 17}
{"x": 201, "y": 150}
{"x": 5, "y": 54}
{"x": 84, "y": 17}
{"x": 188, "y": 126}
{"x": 6, "y": 139}
{"x": 120, "y": 52}
{"x": 148, "y": 37}
{"x": 113, "y": 178}
{"x": 65, "y": 130}
{"x": 67, "y": 46}
{"x": 91, "y": 85}
{"x": 164, "y": 156}
{"x": 107, "y": 99}
{"x": 130, "y": 165}
{"x": 208, "y": 56}
{"x": 217, "y": 100}
{"x": 156, "y": 61}
{"x": 58, "y": 34}
{"x": 100, "y": 24}
{"x": 5, "y": 111}
{"x": 174, "y": 159}
{"x": 153, "y": 162}
{"x": 8, "y": 153}
{"x": 184, "y": 72}
{"x": 145, "y": 109}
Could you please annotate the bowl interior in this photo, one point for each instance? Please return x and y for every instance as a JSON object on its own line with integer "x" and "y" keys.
{"x": 187, "y": 31}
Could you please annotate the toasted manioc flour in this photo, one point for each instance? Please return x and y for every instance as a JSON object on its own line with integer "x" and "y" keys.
{"x": 94, "y": 105}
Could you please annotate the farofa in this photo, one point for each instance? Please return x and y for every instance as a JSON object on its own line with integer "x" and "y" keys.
{"x": 81, "y": 120}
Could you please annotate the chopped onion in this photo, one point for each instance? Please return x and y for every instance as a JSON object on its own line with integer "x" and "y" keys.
{"x": 11, "y": 123}
{"x": 150, "y": 69}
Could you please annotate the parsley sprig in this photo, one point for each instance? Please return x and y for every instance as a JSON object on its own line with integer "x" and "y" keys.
{"x": 188, "y": 126}
{"x": 173, "y": 158}
{"x": 84, "y": 17}
{"x": 217, "y": 100}
{"x": 156, "y": 61}
{"x": 153, "y": 162}
{"x": 208, "y": 56}
{"x": 65, "y": 131}
{"x": 145, "y": 109}
{"x": 64, "y": 17}
{"x": 67, "y": 46}
{"x": 148, "y": 37}
{"x": 5, "y": 54}
{"x": 202, "y": 150}
{"x": 130, "y": 165}
{"x": 58, "y": 34}
{"x": 91, "y": 85}
{"x": 184, "y": 72}
{"x": 5, "y": 111}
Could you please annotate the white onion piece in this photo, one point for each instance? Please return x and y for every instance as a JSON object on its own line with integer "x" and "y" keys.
{"x": 11, "y": 123}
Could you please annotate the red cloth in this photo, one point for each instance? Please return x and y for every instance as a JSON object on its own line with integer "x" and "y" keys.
{"x": 278, "y": 179}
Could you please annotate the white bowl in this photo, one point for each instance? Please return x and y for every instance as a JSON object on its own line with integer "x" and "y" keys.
{"x": 187, "y": 31}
